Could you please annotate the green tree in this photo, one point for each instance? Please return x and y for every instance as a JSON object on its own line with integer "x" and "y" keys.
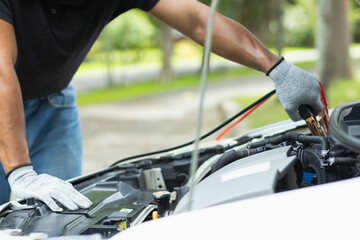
{"x": 300, "y": 23}
{"x": 132, "y": 30}
{"x": 263, "y": 18}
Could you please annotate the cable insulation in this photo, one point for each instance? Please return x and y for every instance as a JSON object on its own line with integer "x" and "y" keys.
{"x": 204, "y": 76}
{"x": 239, "y": 120}
{"x": 202, "y": 137}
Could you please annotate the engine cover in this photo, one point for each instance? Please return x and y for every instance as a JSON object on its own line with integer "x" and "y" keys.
{"x": 249, "y": 177}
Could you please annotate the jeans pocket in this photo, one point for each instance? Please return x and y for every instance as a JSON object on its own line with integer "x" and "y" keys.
{"x": 63, "y": 99}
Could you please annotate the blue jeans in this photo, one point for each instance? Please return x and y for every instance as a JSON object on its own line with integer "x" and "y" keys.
{"x": 53, "y": 136}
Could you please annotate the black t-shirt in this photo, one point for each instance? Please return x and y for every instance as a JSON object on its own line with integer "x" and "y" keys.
{"x": 54, "y": 36}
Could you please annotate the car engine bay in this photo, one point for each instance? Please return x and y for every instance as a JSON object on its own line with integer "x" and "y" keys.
{"x": 269, "y": 160}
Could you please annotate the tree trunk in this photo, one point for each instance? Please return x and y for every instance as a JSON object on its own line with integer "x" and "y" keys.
{"x": 108, "y": 49}
{"x": 109, "y": 60}
{"x": 279, "y": 14}
{"x": 167, "y": 45}
{"x": 333, "y": 40}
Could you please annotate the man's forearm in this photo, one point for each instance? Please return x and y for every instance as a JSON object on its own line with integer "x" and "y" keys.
{"x": 234, "y": 42}
{"x": 230, "y": 39}
{"x": 13, "y": 146}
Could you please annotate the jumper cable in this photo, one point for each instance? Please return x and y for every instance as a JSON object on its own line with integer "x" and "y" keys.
{"x": 321, "y": 127}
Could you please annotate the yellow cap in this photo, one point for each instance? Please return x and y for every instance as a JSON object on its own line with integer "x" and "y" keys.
{"x": 155, "y": 215}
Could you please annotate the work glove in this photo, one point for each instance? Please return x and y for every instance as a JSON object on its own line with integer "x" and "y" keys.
{"x": 26, "y": 183}
{"x": 295, "y": 87}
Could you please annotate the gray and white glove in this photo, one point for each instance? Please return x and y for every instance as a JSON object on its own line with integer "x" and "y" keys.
{"x": 295, "y": 87}
{"x": 26, "y": 183}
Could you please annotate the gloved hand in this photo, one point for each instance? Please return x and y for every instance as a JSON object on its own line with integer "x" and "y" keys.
{"x": 295, "y": 87}
{"x": 26, "y": 183}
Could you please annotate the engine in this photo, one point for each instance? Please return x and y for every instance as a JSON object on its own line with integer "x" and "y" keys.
{"x": 269, "y": 160}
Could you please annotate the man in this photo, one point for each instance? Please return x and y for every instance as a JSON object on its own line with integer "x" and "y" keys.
{"x": 43, "y": 42}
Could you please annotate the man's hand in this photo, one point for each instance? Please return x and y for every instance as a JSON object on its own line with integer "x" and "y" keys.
{"x": 295, "y": 87}
{"x": 25, "y": 183}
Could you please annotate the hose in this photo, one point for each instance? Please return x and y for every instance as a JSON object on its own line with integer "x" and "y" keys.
{"x": 260, "y": 146}
{"x": 233, "y": 155}
{"x": 289, "y": 136}
{"x": 346, "y": 161}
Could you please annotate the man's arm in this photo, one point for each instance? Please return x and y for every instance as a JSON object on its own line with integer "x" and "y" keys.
{"x": 13, "y": 146}
{"x": 294, "y": 86}
{"x": 230, "y": 39}
{"x": 24, "y": 181}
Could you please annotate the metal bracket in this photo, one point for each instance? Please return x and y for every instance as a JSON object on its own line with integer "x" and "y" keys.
{"x": 154, "y": 180}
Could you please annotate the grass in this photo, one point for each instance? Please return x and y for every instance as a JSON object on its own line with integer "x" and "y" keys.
{"x": 269, "y": 112}
{"x": 122, "y": 58}
{"x": 150, "y": 57}
{"x": 184, "y": 50}
{"x": 120, "y": 92}
{"x": 340, "y": 91}
{"x": 338, "y": 94}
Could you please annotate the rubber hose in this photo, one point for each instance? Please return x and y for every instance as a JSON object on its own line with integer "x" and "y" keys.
{"x": 232, "y": 156}
{"x": 346, "y": 161}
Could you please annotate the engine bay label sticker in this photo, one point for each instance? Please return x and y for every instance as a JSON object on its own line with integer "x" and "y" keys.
{"x": 256, "y": 168}
{"x": 126, "y": 210}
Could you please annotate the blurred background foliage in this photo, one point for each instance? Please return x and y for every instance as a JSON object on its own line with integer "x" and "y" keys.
{"x": 300, "y": 21}
{"x": 137, "y": 31}
{"x": 132, "y": 31}
{"x": 328, "y": 26}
